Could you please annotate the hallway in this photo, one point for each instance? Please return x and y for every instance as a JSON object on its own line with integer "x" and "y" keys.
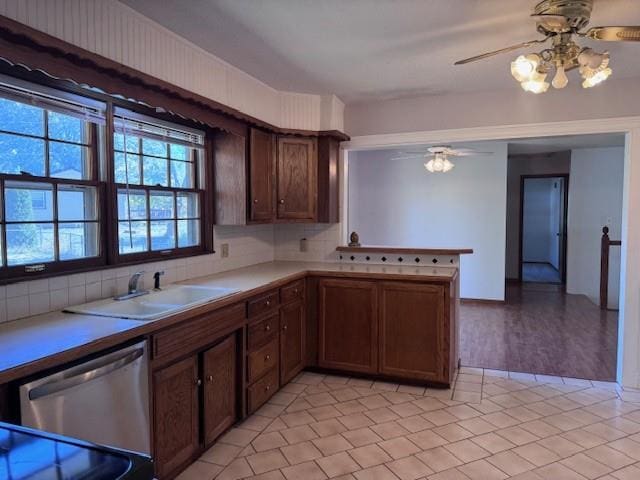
{"x": 540, "y": 330}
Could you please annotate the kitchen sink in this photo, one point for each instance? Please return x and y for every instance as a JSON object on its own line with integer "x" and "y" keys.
{"x": 155, "y": 304}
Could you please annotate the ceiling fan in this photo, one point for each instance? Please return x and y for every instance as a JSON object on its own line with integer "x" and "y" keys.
{"x": 438, "y": 156}
{"x": 559, "y": 21}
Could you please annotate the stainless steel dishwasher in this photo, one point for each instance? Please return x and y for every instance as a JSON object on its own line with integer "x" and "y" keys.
{"x": 103, "y": 400}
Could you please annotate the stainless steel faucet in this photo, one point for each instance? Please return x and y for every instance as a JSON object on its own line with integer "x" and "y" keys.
{"x": 134, "y": 291}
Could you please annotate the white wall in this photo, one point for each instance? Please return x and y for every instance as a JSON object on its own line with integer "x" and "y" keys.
{"x": 400, "y": 203}
{"x": 595, "y": 200}
{"x": 115, "y": 31}
{"x": 538, "y": 242}
{"x": 518, "y": 165}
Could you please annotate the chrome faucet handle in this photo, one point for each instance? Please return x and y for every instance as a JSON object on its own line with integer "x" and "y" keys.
{"x": 156, "y": 279}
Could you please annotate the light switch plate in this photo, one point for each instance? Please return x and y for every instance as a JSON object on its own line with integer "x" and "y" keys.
{"x": 224, "y": 250}
{"x": 303, "y": 245}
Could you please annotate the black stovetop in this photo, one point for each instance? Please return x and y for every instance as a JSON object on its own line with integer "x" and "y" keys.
{"x": 27, "y": 454}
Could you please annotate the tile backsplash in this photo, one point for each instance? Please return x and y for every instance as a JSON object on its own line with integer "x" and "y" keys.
{"x": 248, "y": 245}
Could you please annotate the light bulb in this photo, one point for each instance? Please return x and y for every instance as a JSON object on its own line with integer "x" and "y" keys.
{"x": 447, "y": 165}
{"x": 429, "y": 166}
{"x": 560, "y": 80}
{"x": 597, "y": 78}
{"x": 522, "y": 68}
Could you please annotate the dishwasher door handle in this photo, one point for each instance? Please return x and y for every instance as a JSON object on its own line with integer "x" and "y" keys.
{"x": 91, "y": 371}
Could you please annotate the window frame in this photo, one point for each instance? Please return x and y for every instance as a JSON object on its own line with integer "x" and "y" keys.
{"x": 102, "y": 171}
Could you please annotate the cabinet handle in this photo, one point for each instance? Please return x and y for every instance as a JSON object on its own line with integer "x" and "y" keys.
{"x": 210, "y": 378}
{"x": 282, "y": 201}
{"x": 198, "y": 382}
{"x": 267, "y": 357}
{"x": 267, "y": 328}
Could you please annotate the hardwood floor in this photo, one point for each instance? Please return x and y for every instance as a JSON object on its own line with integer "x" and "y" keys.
{"x": 541, "y": 330}
{"x": 540, "y": 273}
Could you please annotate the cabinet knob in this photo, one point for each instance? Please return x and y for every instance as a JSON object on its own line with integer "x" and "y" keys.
{"x": 198, "y": 382}
{"x": 285, "y": 328}
{"x": 282, "y": 201}
{"x": 267, "y": 303}
{"x": 255, "y": 200}
{"x": 267, "y": 357}
{"x": 210, "y": 378}
{"x": 267, "y": 328}
{"x": 267, "y": 388}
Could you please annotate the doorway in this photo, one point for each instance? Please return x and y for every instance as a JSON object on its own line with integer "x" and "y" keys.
{"x": 543, "y": 228}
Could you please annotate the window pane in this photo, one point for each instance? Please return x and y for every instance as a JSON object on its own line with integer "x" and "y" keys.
{"x": 188, "y": 205}
{"x": 132, "y": 237}
{"x": 21, "y": 154}
{"x": 161, "y": 205}
{"x": 154, "y": 147}
{"x": 154, "y": 171}
{"x": 28, "y": 202}
{"x": 133, "y": 143}
{"x": 181, "y": 174}
{"x": 78, "y": 240}
{"x": 135, "y": 204}
{"x": 65, "y": 127}
{"x": 76, "y": 203}
{"x": 163, "y": 234}
{"x": 21, "y": 118}
{"x": 188, "y": 233}
{"x": 30, "y": 243}
{"x": 178, "y": 152}
{"x": 68, "y": 161}
{"x": 130, "y": 172}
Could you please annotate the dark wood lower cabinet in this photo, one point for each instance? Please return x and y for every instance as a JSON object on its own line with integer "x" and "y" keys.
{"x": 176, "y": 415}
{"x": 219, "y": 369}
{"x": 412, "y": 330}
{"x": 348, "y": 325}
{"x": 292, "y": 340}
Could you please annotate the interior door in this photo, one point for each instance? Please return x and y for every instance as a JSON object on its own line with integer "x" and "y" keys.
{"x": 297, "y": 173}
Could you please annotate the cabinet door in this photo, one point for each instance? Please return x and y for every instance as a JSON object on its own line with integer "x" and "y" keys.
{"x": 175, "y": 415}
{"x": 348, "y": 325}
{"x": 412, "y": 331}
{"x": 297, "y": 189}
{"x": 292, "y": 334}
{"x": 261, "y": 175}
{"x": 219, "y": 369}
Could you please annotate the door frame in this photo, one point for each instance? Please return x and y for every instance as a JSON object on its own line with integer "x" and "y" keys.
{"x": 628, "y": 373}
{"x": 565, "y": 207}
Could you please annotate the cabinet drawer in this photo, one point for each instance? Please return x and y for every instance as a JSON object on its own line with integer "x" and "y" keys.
{"x": 291, "y": 292}
{"x": 263, "y": 303}
{"x": 192, "y": 335}
{"x": 262, "y": 360}
{"x": 262, "y": 390}
{"x": 259, "y": 332}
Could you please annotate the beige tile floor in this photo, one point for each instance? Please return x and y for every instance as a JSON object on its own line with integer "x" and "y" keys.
{"x": 492, "y": 425}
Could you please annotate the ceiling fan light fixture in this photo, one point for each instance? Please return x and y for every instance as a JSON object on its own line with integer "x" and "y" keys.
{"x": 536, "y": 84}
{"x": 524, "y": 67}
{"x": 439, "y": 164}
{"x": 596, "y": 78}
{"x": 594, "y": 68}
{"x": 560, "y": 80}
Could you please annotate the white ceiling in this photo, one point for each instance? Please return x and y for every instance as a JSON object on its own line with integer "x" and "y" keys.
{"x": 563, "y": 143}
{"x": 374, "y": 49}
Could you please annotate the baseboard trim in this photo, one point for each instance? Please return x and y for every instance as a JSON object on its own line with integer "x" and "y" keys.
{"x": 480, "y": 301}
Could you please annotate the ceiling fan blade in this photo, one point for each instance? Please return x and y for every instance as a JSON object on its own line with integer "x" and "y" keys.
{"x": 467, "y": 153}
{"x": 409, "y": 157}
{"x": 614, "y": 34}
{"x": 502, "y": 50}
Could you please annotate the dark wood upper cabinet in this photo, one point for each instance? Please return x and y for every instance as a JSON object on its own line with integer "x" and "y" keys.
{"x": 328, "y": 187}
{"x": 296, "y": 179}
{"x": 412, "y": 331}
{"x": 292, "y": 340}
{"x": 348, "y": 325}
{"x": 175, "y": 416}
{"x": 230, "y": 178}
{"x": 261, "y": 176}
{"x": 219, "y": 372}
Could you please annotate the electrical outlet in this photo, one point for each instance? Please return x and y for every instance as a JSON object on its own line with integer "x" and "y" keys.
{"x": 303, "y": 245}
{"x": 224, "y": 253}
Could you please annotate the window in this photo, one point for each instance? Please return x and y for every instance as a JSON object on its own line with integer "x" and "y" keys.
{"x": 48, "y": 176}
{"x": 157, "y": 170}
